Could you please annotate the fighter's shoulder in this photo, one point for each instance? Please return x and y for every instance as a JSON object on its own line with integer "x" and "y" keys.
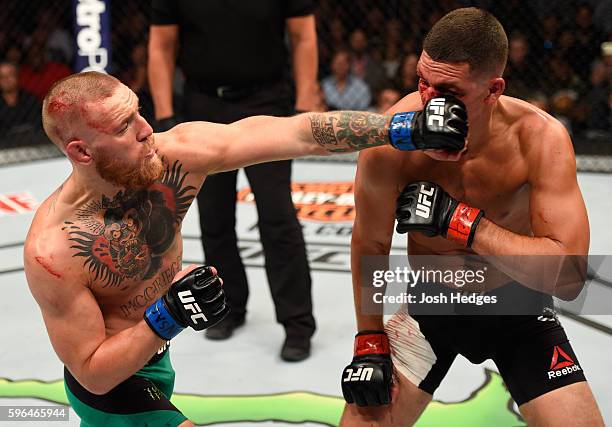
{"x": 385, "y": 167}
{"x": 540, "y": 135}
{"x": 50, "y": 249}
{"x": 47, "y": 254}
{"x": 410, "y": 102}
{"x": 188, "y": 144}
{"x": 50, "y": 273}
{"x": 46, "y": 222}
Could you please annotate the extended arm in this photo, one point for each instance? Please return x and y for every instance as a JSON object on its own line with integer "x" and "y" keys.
{"x": 212, "y": 148}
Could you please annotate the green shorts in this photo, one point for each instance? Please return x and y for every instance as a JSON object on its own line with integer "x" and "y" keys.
{"x": 141, "y": 400}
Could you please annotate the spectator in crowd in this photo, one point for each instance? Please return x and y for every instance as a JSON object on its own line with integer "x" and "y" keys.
{"x": 363, "y": 65}
{"x": 563, "y": 87}
{"x": 560, "y": 76}
{"x": 546, "y": 38}
{"x": 387, "y": 97}
{"x": 13, "y": 34}
{"x": 394, "y": 31}
{"x": 14, "y": 54}
{"x": 331, "y": 36}
{"x": 392, "y": 60}
{"x": 520, "y": 74}
{"x": 544, "y": 8}
{"x": 595, "y": 101}
{"x": 337, "y": 31}
{"x": 565, "y": 46}
{"x": 19, "y": 110}
{"x": 393, "y": 40}
{"x": 376, "y": 26}
{"x": 512, "y": 13}
{"x": 411, "y": 44}
{"x": 406, "y": 79}
{"x": 587, "y": 41}
{"x": 603, "y": 17}
{"x": 343, "y": 90}
{"x": 58, "y": 42}
{"x": 38, "y": 73}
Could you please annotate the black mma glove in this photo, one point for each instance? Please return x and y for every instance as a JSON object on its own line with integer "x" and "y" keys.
{"x": 367, "y": 380}
{"x": 441, "y": 125}
{"x": 425, "y": 207}
{"x": 162, "y": 125}
{"x": 197, "y": 300}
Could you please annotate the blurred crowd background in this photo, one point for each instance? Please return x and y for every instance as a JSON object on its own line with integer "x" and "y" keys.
{"x": 560, "y": 58}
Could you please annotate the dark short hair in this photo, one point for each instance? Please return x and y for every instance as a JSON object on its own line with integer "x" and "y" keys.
{"x": 469, "y": 35}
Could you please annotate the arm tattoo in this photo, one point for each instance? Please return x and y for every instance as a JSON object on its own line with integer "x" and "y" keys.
{"x": 323, "y": 129}
{"x": 344, "y": 131}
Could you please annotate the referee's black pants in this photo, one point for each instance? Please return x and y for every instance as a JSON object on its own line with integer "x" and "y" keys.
{"x": 281, "y": 235}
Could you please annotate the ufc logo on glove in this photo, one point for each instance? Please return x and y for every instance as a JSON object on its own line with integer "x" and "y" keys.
{"x": 435, "y": 213}
{"x": 423, "y": 203}
{"x": 361, "y": 374}
{"x": 436, "y": 112}
{"x": 366, "y": 381}
{"x": 189, "y": 303}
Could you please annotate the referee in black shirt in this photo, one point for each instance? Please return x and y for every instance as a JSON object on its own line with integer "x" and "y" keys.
{"x": 234, "y": 57}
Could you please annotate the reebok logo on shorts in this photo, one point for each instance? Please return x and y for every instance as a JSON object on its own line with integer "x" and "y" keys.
{"x": 561, "y": 364}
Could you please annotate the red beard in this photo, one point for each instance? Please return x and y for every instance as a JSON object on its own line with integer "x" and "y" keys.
{"x": 121, "y": 173}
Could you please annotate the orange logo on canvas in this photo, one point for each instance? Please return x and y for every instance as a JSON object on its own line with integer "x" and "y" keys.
{"x": 17, "y": 203}
{"x": 318, "y": 201}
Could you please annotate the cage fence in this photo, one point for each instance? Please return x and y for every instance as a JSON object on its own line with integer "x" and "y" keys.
{"x": 560, "y": 59}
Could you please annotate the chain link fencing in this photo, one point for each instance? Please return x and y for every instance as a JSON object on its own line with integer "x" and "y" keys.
{"x": 560, "y": 59}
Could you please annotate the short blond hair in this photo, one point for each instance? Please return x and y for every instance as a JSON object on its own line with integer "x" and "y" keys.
{"x": 65, "y": 104}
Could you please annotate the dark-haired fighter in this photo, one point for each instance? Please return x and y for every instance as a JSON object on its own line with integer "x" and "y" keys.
{"x": 512, "y": 192}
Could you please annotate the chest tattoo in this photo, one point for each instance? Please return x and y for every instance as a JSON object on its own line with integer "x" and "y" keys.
{"x": 125, "y": 237}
